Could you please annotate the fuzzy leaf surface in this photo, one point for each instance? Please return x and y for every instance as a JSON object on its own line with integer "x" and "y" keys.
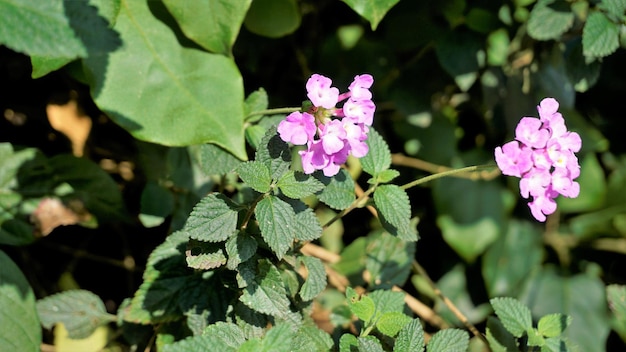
{"x": 339, "y": 191}
{"x": 361, "y": 305}
{"x": 265, "y": 292}
{"x": 391, "y": 323}
{"x": 515, "y": 316}
{"x": 256, "y": 175}
{"x": 410, "y": 338}
{"x": 298, "y": 185}
{"x": 553, "y": 325}
{"x": 214, "y": 219}
{"x": 549, "y": 19}
{"x": 276, "y": 218}
{"x": 316, "y": 279}
{"x": 394, "y": 211}
{"x": 449, "y": 340}
{"x": 600, "y": 36}
{"x": 378, "y": 159}
{"x": 274, "y": 153}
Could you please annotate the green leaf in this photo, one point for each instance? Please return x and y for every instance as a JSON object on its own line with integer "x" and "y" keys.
{"x": 498, "y": 47}
{"x": 298, "y": 185}
{"x": 513, "y": 314}
{"x": 615, "y": 7}
{"x": 369, "y": 344}
{"x": 80, "y": 311}
{"x": 347, "y": 342}
{"x": 203, "y": 91}
{"x": 510, "y": 260}
{"x": 600, "y": 36}
{"x": 581, "y": 296}
{"x": 273, "y": 18}
{"x": 221, "y": 336}
{"x": 535, "y": 338}
{"x": 361, "y": 305}
{"x": 307, "y": 226}
{"x": 214, "y": 219}
{"x": 616, "y": 296}
{"x": 311, "y": 339}
{"x": 352, "y": 261}
{"x": 385, "y": 176}
{"x": 251, "y": 322}
{"x": 394, "y": 211}
{"x": 204, "y": 255}
{"x": 256, "y": 175}
{"x": 549, "y": 19}
{"x": 468, "y": 240}
{"x": 213, "y": 159}
{"x": 554, "y": 344}
{"x": 482, "y": 20}
{"x": 448, "y": 340}
{"x": 274, "y": 153}
{"x": 213, "y": 24}
{"x": 316, "y": 278}
{"x": 387, "y": 301}
{"x": 157, "y": 203}
{"x": 338, "y": 192}
{"x": 265, "y": 291}
{"x": 457, "y": 53}
{"x": 410, "y": 338}
{"x": 276, "y": 218}
{"x": 21, "y": 330}
{"x": 391, "y": 323}
{"x": 373, "y": 11}
{"x": 553, "y": 325}
{"x": 500, "y": 339}
{"x": 239, "y": 249}
{"x": 378, "y": 157}
{"x": 255, "y": 102}
{"x": 41, "y": 29}
{"x": 388, "y": 259}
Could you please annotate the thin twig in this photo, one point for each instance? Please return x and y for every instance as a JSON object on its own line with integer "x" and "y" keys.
{"x": 403, "y": 160}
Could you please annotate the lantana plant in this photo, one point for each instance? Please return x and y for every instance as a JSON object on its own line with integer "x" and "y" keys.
{"x": 543, "y": 157}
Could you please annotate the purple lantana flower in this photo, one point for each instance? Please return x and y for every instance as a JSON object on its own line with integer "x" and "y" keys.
{"x": 330, "y": 141}
{"x": 543, "y": 157}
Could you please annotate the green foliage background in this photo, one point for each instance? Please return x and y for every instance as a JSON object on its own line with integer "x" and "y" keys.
{"x": 178, "y": 88}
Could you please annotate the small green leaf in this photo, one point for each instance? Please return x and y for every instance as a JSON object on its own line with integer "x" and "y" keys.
{"x": 276, "y": 218}
{"x": 347, "y": 342}
{"x": 468, "y": 240}
{"x": 339, "y": 191}
{"x": 535, "y": 338}
{"x": 214, "y": 219}
{"x": 410, "y": 338}
{"x": 213, "y": 24}
{"x": 378, "y": 157}
{"x": 553, "y": 325}
{"x": 369, "y": 344}
{"x": 273, "y": 18}
{"x": 316, "y": 278}
{"x": 204, "y": 255}
{"x": 213, "y": 159}
{"x": 274, "y": 153}
{"x": 255, "y": 102}
{"x": 394, "y": 211}
{"x": 256, "y": 175}
{"x": 239, "y": 249}
{"x": 615, "y": 7}
{"x": 449, "y": 340}
{"x": 549, "y": 19}
{"x": 21, "y": 330}
{"x": 361, "y": 305}
{"x": 514, "y": 315}
{"x": 80, "y": 311}
{"x": 265, "y": 291}
{"x": 311, "y": 339}
{"x": 221, "y": 336}
{"x": 600, "y": 36}
{"x": 385, "y": 176}
{"x": 373, "y": 11}
{"x": 298, "y": 185}
{"x": 391, "y": 323}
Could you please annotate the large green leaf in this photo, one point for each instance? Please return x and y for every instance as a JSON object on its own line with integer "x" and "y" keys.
{"x": 449, "y": 340}
{"x": 549, "y": 19}
{"x": 580, "y": 296}
{"x": 39, "y": 28}
{"x": 273, "y": 18}
{"x": 515, "y": 316}
{"x": 339, "y": 191}
{"x": 265, "y": 291}
{"x": 20, "y": 325}
{"x": 80, "y": 311}
{"x": 373, "y": 11}
{"x": 410, "y": 338}
{"x": 316, "y": 278}
{"x": 600, "y": 36}
{"x": 275, "y": 219}
{"x": 165, "y": 93}
{"x": 213, "y": 24}
{"x": 214, "y": 219}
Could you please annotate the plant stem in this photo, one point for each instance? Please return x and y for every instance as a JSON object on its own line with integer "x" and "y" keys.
{"x": 446, "y": 173}
{"x": 272, "y": 112}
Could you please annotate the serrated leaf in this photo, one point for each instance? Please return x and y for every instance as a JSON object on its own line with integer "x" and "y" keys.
{"x": 369, "y": 344}
{"x": 361, "y": 305}
{"x": 298, "y": 185}
{"x": 221, "y": 336}
{"x": 21, "y": 329}
{"x": 316, "y": 278}
{"x": 274, "y": 153}
{"x": 378, "y": 158}
{"x": 600, "y": 36}
{"x": 549, "y": 19}
{"x": 204, "y": 255}
{"x": 388, "y": 259}
{"x": 535, "y": 338}
{"x": 265, "y": 291}
{"x": 278, "y": 339}
{"x": 347, "y": 342}
{"x": 449, "y": 340}
{"x": 410, "y": 338}
{"x": 255, "y": 102}
{"x": 615, "y": 7}
{"x": 394, "y": 211}
{"x": 256, "y": 175}
{"x": 338, "y": 192}
{"x": 391, "y": 323}
{"x": 239, "y": 249}
{"x": 385, "y": 176}
{"x": 311, "y": 339}
{"x": 273, "y": 18}
{"x": 213, "y": 159}
{"x": 373, "y": 11}
{"x": 80, "y": 311}
{"x": 276, "y": 218}
{"x": 514, "y": 315}
{"x": 387, "y": 301}
{"x": 214, "y": 219}
{"x": 553, "y": 325}
{"x": 204, "y": 91}
{"x": 306, "y": 225}
{"x": 213, "y": 24}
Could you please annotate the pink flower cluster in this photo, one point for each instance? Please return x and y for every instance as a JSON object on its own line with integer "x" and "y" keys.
{"x": 330, "y": 141}
{"x": 543, "y": 157}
